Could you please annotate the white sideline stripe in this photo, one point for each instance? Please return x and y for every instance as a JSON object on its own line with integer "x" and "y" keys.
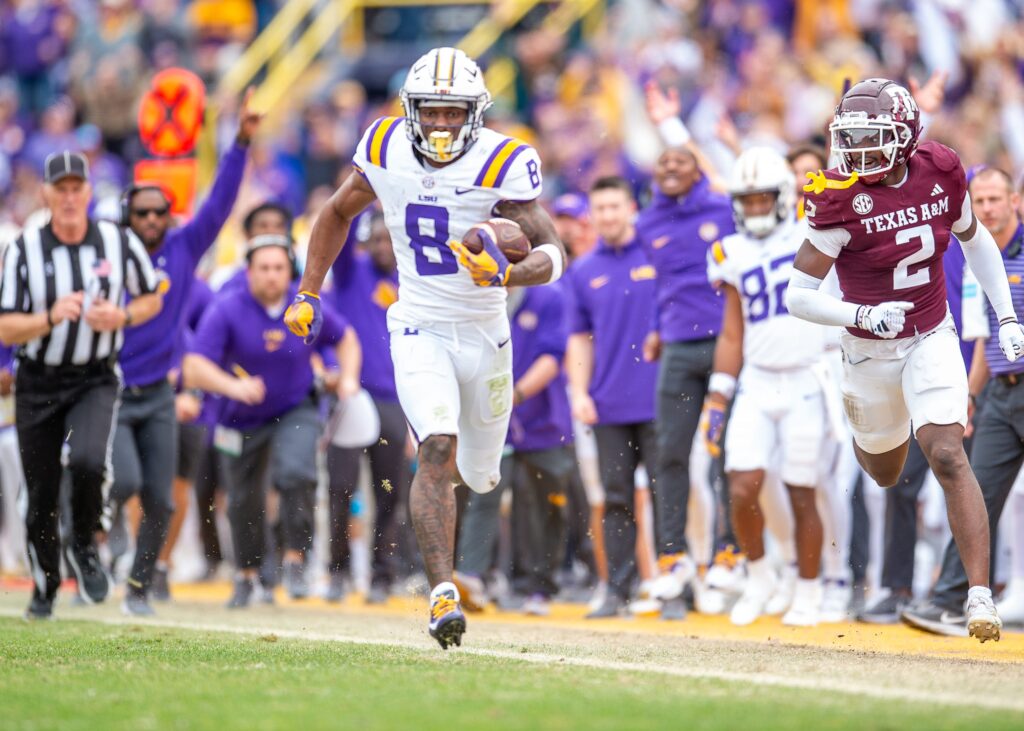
{"x": 762, "y": 679}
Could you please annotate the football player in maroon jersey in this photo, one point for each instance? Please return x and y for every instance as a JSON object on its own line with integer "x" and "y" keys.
{"x": 883, "y": 218}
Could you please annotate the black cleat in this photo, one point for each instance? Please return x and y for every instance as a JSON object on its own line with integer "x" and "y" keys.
{"x": 93, "y": 581}
{"x": 39, "y": 609}
{"x": 242, "y": 595}
{"x": 160, "y": 588}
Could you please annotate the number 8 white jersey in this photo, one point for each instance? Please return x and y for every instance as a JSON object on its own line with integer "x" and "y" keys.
{"x": 426, "y": 207}
{"x": 760, "y": 270}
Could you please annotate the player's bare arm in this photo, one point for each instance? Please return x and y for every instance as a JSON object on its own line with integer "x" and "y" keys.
{"x": 728, "y": 359}
{"x": 331, "y": 229}
{"x": 538, "y": 267}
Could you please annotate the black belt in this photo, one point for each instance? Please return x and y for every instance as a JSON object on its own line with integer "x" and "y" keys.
{"x": 96, "y": 368}
{"x": 145, "y": 388}
{"x": 1010, "y": 379}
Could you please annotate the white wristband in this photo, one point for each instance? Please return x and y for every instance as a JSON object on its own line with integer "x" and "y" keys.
{"x": 722, "y": 383}
{"x": 557, "y": 262}
{"x": 673, "y": 132}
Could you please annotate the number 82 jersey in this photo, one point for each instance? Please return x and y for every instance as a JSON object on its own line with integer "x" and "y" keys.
{"x": 888, "y": 241}
{"x": 426, "y": 207}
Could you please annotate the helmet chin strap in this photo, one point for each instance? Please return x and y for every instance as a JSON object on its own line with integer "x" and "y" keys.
{"x": 442, "y": 144}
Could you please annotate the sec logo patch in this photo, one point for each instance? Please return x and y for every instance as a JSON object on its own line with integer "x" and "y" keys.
{"x": 862, "y": 203}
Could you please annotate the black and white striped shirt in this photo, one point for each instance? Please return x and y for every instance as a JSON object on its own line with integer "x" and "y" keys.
{"x": 38, "y": 270}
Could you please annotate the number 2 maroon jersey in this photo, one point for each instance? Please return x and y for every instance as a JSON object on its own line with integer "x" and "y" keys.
{"x": 888, "y": 241}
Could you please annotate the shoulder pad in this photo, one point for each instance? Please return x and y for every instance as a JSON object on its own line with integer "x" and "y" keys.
{"x": 499, "y": 162}
{"x": 377, "y": 138}
{"x": 940, "y": 156}
{"x": 718, "y": 252}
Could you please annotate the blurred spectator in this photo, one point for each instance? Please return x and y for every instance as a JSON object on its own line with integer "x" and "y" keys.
{"x": 109, "y": 70}
{"x": 34, "y": 36}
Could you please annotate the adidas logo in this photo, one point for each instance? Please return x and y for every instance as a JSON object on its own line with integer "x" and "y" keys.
{"x": 937, "y": 190}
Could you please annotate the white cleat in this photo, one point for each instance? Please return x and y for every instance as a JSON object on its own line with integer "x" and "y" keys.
{"x": 676, "y": 570}
{"x": 727, "y": 572}
{"x": 982, "y": 618}
{"x": 783, "y": 596}
{"x": 710, "y": 601}
{"x": 835, "y": 601}
{"x": 753, "y": 601}
{"x": 1011, "y": 606}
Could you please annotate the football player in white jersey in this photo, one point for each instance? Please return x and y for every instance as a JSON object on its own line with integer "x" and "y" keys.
{"x": 771, "y": 361}
{"x": 438, "y": 172}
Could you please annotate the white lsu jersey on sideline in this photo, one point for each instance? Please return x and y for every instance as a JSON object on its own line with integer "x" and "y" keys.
{"x": 426, "y": 207}
{"x": 760, "y": 270}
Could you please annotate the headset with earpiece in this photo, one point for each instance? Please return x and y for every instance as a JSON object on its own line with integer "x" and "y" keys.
{"x": 129, "y": 193}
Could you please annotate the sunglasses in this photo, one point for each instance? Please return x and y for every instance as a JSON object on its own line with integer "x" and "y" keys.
{"x": 146, "y": 212}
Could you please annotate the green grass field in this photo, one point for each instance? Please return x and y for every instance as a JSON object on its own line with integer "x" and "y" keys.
{"x": 85, "y": 675}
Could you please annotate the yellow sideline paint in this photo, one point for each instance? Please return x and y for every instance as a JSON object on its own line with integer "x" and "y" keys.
{"x": 850, "y": 636}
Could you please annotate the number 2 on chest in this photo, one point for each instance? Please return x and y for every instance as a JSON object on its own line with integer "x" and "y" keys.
{"x": 902, "y": 278}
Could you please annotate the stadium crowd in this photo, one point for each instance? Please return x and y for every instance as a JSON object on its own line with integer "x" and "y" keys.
{"x": 617, "y": 511}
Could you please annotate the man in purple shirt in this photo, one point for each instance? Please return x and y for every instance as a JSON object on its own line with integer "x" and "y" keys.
{"x": 268, "y": 427}
{"x": 611, "y": 385}
{"x": 365, "y": 286}
{"x": 997, "y": 448}
{"x": 540, "y": 464}
{"x": 685, "y": 217}
{"x": 145, "y": 444}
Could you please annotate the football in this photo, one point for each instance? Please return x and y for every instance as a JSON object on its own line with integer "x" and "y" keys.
{"x": 508, "y": 235}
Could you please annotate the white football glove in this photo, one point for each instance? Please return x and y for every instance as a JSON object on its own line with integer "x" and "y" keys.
{"x": 885, "y": 320}
{"x": 1011, "y": 340}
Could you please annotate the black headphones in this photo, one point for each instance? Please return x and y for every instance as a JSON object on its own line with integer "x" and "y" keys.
{"x": 276, "y": 240}
{"x": 129, "y": 193}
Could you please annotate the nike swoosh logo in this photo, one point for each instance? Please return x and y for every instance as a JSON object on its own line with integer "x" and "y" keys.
{"x": 504, "y": 342}
{"x": 951, "y": 618}
{"x": 463, "y": 191}
{"x": 660, "y": 241}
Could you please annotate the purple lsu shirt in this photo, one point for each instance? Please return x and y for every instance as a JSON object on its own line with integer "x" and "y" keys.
{"x": 676, "y": 234}
{"x": 540, "y": 327}
{"x": 151, "y": 349}
{"x": 236, "y": 330}
{"x": 364, "y": 293}
{"x": 614, "y": 300}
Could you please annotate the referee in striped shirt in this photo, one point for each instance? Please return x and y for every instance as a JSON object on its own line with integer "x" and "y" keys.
{"x": 62, "y": 303}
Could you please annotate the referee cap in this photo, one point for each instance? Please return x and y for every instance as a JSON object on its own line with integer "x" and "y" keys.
{"x": 65, "y": 164}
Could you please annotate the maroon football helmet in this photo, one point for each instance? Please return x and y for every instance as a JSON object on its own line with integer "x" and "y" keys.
{"x": 876, "y": 127}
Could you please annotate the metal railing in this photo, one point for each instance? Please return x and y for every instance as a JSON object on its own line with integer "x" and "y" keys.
{"x": 285, "y": 60}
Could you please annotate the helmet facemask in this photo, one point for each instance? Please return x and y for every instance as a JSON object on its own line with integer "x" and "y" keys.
{"x": 855, "y": 136}
{"x": 443, "y": 144}
{"x": 760, "y": 226}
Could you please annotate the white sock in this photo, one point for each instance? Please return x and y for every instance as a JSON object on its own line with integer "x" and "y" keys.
{"x": 979, "y": 591}
{"x": 760, "y": 571}
{"x": 807, "y": 592}
{"x": 443, "y": 587}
